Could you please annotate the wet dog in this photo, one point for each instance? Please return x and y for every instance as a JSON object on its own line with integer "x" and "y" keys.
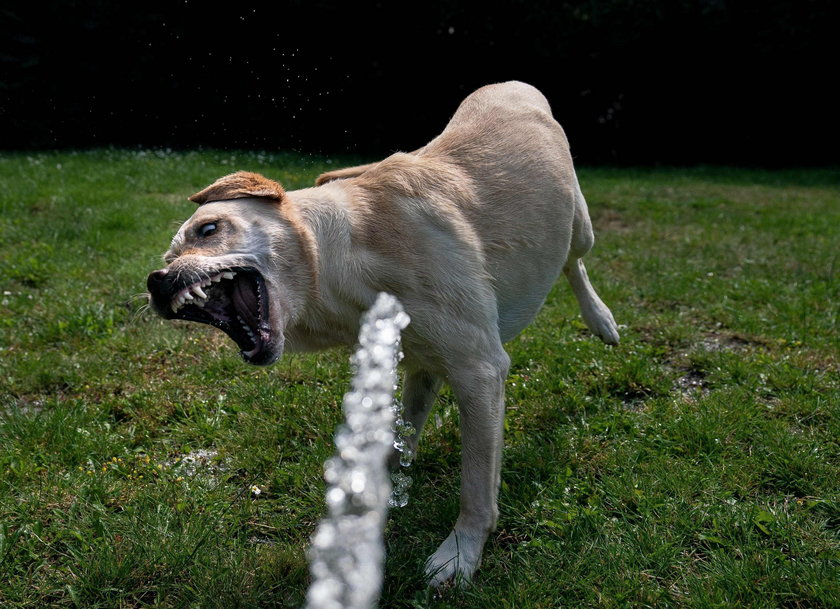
{"x": 470, "y": 232}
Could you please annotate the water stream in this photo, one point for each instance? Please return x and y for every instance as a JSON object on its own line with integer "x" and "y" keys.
{"x": 347, "y": 553}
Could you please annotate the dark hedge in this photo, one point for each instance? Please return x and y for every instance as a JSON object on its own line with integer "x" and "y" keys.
{"x": 647, "y": 81}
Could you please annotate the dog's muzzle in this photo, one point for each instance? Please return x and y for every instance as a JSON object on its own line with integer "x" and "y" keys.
{"x": 234, "y": 300}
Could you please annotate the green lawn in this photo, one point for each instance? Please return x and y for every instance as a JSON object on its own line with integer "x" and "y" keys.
{"x": 695, "y": 465}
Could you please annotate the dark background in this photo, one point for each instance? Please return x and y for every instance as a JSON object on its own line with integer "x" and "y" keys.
{"x": 632, "y": 82}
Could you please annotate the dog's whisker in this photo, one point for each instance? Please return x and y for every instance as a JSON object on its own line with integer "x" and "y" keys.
{"x": 139, "y": 313}
{"x": 136, "y": 313}
{"x": 140, "y": 296}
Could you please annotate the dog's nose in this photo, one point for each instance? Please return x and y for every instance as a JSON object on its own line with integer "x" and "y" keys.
{"x": 155, "y": 279}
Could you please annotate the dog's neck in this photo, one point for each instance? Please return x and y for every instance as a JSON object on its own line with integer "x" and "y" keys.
{"x": 308, "y": 243}
{"x": 341, "y": 292}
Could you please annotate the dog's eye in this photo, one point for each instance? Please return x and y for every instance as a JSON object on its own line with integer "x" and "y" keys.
{"x": 207, "y": 229}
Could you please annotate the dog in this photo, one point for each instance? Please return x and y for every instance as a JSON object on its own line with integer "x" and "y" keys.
{"x": 469, "y": 232}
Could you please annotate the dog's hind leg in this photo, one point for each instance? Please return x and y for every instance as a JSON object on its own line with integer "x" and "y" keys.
{"x": 595, "y": 313}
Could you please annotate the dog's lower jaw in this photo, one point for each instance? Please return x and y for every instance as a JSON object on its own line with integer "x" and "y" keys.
{"x": 270, "y": 340}
{"x": 265, "y": 356}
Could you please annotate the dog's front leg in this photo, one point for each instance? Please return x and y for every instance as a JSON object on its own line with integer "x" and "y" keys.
{"x": 479, "y": 387}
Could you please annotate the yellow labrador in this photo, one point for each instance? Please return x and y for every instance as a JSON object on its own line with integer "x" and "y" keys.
{"x": 469, "y": 232}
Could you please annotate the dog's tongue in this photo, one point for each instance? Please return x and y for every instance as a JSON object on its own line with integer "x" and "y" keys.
{"x": 246, "y": 302}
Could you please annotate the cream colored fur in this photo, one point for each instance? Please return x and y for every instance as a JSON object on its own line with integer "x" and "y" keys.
{"x": 469, "y": 232}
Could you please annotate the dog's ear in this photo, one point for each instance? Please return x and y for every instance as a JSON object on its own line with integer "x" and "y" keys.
{"x": 240, "y": 185}
{"x": 341, "y": 174}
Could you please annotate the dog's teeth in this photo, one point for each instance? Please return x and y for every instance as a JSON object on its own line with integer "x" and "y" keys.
{"x": 200, "y": 302}
{"x": 188, "y": 296}
{"x": 174, "y": 306}
{"x": 246, "y": 327}
{"x": 216, "y": 278}
{"x": 228, "y": 275}
{"x": 198, "y": 291}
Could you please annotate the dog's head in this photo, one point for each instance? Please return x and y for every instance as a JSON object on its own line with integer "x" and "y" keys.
{"x": 242, "y": 263}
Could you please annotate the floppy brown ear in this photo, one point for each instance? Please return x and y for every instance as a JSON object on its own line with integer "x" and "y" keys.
{"x": 240, "y": 185}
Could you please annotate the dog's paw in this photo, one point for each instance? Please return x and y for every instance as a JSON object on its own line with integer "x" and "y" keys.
{"x": 600, "y": 322}
{"x": 455, "y": 560}
{"x": 607, "y": 330}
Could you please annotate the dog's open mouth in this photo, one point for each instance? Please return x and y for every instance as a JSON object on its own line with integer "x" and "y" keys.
{"x": 233, "y": 300}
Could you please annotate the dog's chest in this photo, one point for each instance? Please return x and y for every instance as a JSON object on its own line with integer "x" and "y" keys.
{"x": 320, "y": 331}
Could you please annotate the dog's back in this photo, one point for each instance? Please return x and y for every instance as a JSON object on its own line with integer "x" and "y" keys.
{"x": 499, "y": 180}
{"x": 516, "y": 157}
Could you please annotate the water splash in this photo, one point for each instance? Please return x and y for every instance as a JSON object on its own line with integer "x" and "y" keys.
{"x": 400, "y": 481}
{"x": 347, "y": 548}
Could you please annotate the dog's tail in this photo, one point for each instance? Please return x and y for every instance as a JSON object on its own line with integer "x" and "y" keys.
{"x": 595, "y": 313}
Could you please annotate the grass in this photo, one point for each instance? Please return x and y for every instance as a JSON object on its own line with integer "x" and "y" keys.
{"x": 695, "y": 465}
